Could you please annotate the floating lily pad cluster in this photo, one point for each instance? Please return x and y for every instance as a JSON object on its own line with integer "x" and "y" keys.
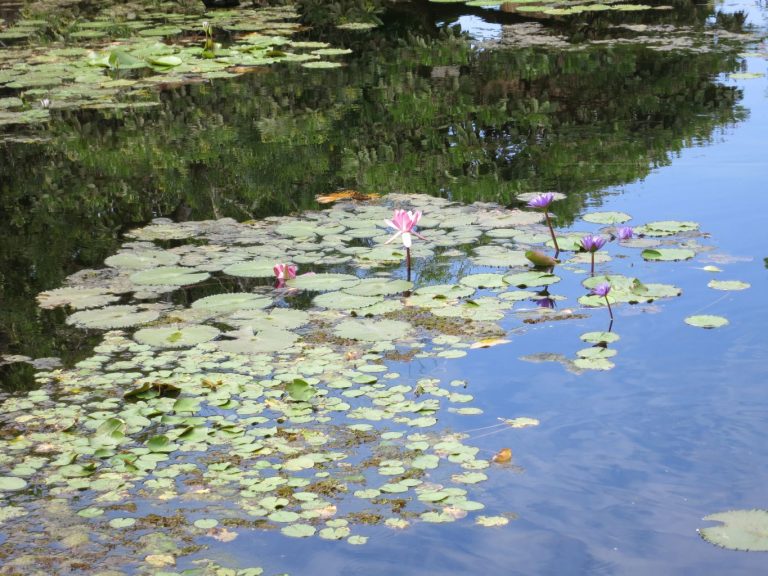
{"x": 111, "y": 60}
{"x": 285, "y": 402}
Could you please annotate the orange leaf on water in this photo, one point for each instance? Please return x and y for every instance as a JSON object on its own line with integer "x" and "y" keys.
{"x": 347, "y": 194}
{"x": 502, "y": 456}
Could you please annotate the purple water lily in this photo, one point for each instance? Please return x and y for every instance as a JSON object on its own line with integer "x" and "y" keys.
{"x": 592, "y": 243}
{"x": 625, "y": 232}
{"x": 602, "y": 290}
{"x": 543, "y": 201}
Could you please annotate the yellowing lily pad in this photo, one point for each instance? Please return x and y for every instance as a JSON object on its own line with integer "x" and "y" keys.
{"x": 706, "y": 321}
{"x": 745, "y": 530}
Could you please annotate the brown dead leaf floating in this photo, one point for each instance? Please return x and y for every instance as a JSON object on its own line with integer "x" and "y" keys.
{"x": 347, "y": 194}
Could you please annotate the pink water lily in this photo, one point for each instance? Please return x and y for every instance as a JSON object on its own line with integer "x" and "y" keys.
{"x": 404, "y": 223}
{"x": 284, "y": 272}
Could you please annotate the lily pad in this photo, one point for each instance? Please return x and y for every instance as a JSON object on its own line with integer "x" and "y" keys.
{"x": 12, "y": 483}
{"x": 706, "y": 321}
{"x": 728, "y": 285}
{"x": 526, "y": 279}
{"x": 372, "y": 330}
{"x": 169, "y": 276}
{"x": 75, "y": 297}
{"x": 606, "y": 217}
{"x": 740, "y": 530}
{"x": 111, "y": 317}
{"x": 252, "y": 269}
{"x": 176, "y": 337}
{"x": 668, "y": 254}
{"x": 224, "y": 303}
{"x": 323, "y": 282}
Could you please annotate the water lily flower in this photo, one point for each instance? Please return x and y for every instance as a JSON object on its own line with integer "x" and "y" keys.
{"x": 45, "y": 103}
{"x": 543, "y": 201}
{"x": 625, "y": 232}
{"x": 404, "y": 223}
{"x": 592, "y": 243}
{"x": 284, "y": 272}
{"x": 602, "y": 290}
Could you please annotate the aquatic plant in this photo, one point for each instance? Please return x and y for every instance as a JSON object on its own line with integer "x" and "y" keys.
{"x": 543, "y": 201}
{"x": 284, "y": 272}
{"x": 404, "y": 222}
{"x": 592, "y": 243}
{"x": 603, "y": 290}
{"x": 625, "y": 232}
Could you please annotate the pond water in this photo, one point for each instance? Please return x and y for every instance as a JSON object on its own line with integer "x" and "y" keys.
{"x": 659, "y": 114}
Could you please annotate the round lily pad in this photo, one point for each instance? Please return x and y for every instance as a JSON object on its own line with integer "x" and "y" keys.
{"x": 668, "y": 254}
{"x": 176, "y": 337}
{"x": 10, "y": 483}
{"x": 379, "y": 287}
{"x": 706, "y": 321}
{"x": 142, "y": 259}
{"x": 728, "y": 285}
{"x": 606, "y": 217}
{"x": 169, "y": 276}
{"x": 372, "y": 330}
{"x": 224, "y": 303}
{"x": 343, "y": 301}
{"x": 484, "y": 280}
{"x": 525, "y": 279}
{"x": 111, "y": 317}
{"x": 740, "y": 530}
{"x": 253, "y": 269}
{"x": 323, "y": 282}
{"x": 75, "y": 297}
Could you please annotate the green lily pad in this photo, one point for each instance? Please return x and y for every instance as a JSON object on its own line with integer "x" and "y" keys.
{"x": 11, "y": 483}
{"x": 728, "y": 285}
{"x": 75, "y": 297}
{"x": 668, "y": 254}
{"x": 706, "y": 321}
{"x": 206, "y": 523}
{"x": 483, "y": 280}
{"x": 111, "y": 317}
{"x": 252, "y": 269}
{"x": 370, "y": 330}
{"x": 268, "y": 340}
{"x": 745, "y": 530}
{"x": 176, "y": 337}
{"x": 606, "y": 217}
{"x": 526, "y": 279}
{"x": 666, "y": 228}
{"x": 299, "y": 530}
{"x": 323, "y": 282}
{"x": 379, "y": 287}
{"x": 231, "y": 302}
{"x": 491, "y": 521}
{"x": 169, "y": 276}
{"x": 341, "y": 300}
{"x": 599, "y": 337}
{"x": 300, "y": 390}
{"x": 142, "y": 259}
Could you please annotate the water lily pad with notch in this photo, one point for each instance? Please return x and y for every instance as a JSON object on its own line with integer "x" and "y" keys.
{"x": 283, "y": 318}
{"x": 372, "y": 330}
{"x": 606, "y": 217}
{"x": 666, "y": 228}
{"x": 75, "y": 297}
{"x": 176, "y": 337}
{"x": 142, "y": 259}
{"x": 728, "y": 285}
{"x": 379, "y": 287}
{"x": 231, "y": 302}
{"x": 706, "y": 321}
{"x": 267, "y": 340}
{"x": 343, "y": 301}
{"x": 252, "y": 269}
{"x": 111, "y": 317}
{"x": 169, "y": 276}
{"x": 745, "y": 530}
{"x": 533, "y": 279}
{"x": 484, "y": 281}
{"x": 323, "y": 282}
{"x": 668, "y": 254}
